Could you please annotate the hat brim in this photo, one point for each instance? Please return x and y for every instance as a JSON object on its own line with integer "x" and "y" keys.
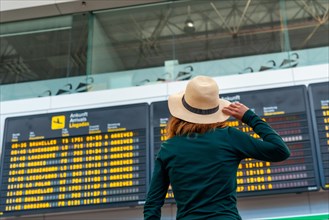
{"x": 178, "y": 110}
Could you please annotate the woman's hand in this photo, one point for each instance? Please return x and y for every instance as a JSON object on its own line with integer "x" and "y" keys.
{"x": 236, "y": 110}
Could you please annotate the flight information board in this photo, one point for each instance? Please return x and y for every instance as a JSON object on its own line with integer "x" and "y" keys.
{"x": 286, "y": 110}
{"x": 159, "y": 118}
{"x": 81, "y": 159}
{"x": 319, "y": 98}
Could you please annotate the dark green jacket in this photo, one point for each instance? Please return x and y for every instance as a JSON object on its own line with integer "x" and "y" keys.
{"x": 202, "y": 169}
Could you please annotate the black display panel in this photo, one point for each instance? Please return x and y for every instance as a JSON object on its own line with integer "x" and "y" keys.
{"x": 80, "y": 159}
{"x": 319, "y": 99}
{"x": 159, "y": 118}
{"x": 286, "y": 110}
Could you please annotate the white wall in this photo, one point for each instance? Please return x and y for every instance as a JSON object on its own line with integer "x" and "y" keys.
{"x": 250, "y": 207}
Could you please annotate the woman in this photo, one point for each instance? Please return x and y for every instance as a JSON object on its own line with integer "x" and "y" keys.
{"x": 201, "y": 157}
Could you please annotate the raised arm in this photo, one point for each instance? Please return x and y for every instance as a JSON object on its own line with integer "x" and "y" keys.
{"x": 270, "y": 148}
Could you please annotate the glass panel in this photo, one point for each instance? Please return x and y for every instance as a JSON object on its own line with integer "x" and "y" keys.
{"x": 130, "y": 39}
{"x": 158, "y": 43}
{"x": 78, "y": 84}
{"x": 308, "y": 23}
{"x": 133, "y": 38}
{"x": 44, "y": 88}
{"x": 78, "y": 45}
{"x": 43, "y": 49}
{"x": 184, "y": 31}
{"x": 34, "y": 52}
{"x": 308, "y": 27}
{"x": 226, "y": 29}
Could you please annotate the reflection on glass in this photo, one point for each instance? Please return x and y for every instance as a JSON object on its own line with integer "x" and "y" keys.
{"x": 43, "y": 49}
{"x": 151, "y": 44}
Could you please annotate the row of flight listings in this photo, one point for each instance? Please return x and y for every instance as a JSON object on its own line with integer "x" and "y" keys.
{"x": 103, "y": 158}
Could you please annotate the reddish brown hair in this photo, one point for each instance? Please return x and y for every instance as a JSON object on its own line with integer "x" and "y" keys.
{"x": 178, "y": 126}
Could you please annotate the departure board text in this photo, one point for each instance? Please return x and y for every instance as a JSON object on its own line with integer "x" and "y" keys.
{"x": 91, "y": 158}
{"x": 319, "y": 97}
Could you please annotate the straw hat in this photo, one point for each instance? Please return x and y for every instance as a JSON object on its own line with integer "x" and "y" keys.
{"x": 200, "y": 103}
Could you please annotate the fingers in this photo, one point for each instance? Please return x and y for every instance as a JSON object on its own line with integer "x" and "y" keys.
{"x": 234, "y": 107}
{"x": 236, "y": 110}
{"x": 227, "y": 111}
{"x": 230, "y": 110}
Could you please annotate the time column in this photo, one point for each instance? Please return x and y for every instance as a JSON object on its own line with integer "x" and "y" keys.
{"x": 319, "y": 99}
{"x": 322, "y": 119}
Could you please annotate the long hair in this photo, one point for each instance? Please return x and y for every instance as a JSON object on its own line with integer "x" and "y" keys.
{"x": 178, "y": 127}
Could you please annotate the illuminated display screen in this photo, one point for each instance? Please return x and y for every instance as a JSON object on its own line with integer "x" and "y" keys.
{"x": 81, "y": 159}
{"x": 286, "y": 110}
{"x": 319, "y": 98}
{"x": 159, "y": 118}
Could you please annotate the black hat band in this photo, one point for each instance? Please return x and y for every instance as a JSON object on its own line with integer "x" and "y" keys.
{"x": 199, "y": 111}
